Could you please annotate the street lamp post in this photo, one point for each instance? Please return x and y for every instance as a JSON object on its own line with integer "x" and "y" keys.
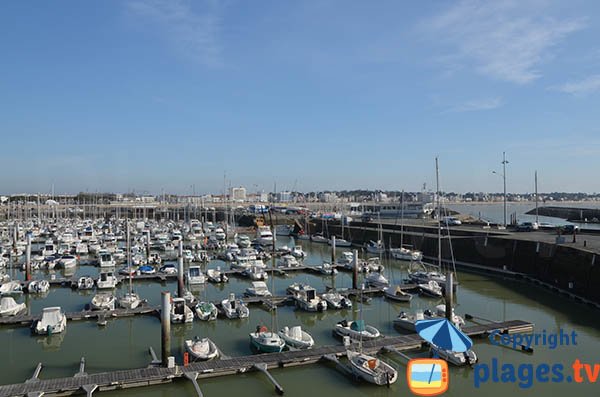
{"x": 504, "y": 162}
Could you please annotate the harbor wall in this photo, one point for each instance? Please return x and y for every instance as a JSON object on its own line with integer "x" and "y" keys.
{"x": 567, "y": 268}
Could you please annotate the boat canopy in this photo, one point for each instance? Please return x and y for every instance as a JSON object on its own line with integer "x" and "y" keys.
{"x": 358, "y": 325}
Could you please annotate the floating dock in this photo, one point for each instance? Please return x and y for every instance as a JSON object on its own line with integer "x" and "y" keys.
{"x": 123, "y": 379}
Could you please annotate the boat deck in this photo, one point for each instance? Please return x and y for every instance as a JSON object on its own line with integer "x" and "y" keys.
{"x": 122, "y": 379}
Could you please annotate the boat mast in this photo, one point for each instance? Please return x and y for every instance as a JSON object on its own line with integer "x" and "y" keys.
{"x": 128, "y": 245}
{"x": 438, "y": 212}
{"x": 536, "y": 199}
{"x": 402, "y": 220}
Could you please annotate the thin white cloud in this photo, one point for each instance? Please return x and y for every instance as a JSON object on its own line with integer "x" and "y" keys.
{"x": 505, "y": 40}
{"x": 583, "y": 87}
{"x": 191, "y": 27}
{"x": 476, "y": 105}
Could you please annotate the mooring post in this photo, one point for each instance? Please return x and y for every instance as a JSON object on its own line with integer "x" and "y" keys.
{"x": 148, "y": 244}
{"x": 449, "y": 295}
{"x": 166, "y": 327}
{"x": 180, "y": 286}
{"x": 332, "y": 250}
{"x": 28, "y": 259}
{"x": 355, "y": 271}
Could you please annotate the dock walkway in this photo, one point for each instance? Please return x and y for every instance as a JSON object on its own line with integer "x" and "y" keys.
{"x": 122, "y": 379}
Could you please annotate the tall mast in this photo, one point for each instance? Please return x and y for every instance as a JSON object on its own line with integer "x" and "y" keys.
{"x": 438, "y": 211}
{"x": 536, "y": 198}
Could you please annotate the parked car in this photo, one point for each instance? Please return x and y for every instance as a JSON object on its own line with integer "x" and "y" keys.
{"x": 527, "y": 227}
{"x": 569, "y": 229}
{"x": 451, "y": 221}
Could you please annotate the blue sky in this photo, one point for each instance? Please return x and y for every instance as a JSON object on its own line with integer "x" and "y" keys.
{"x": 147, "y": 95}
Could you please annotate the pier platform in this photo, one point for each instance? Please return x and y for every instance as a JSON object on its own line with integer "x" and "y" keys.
{"x": 123, "y": 379}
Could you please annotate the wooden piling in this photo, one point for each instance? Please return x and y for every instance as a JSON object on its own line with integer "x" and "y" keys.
{"x": 180, "y": 286}
{"x": 165, "y": 316}
{"x": 449, "y": 295}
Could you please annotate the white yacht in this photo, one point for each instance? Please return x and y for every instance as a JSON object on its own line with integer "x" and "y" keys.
{"x": 8, "y": 307}
{"x": 106, "y": 280}
{"x": 377, "y": 280}
{"x": 357, "y": 330}
{"x": 371, "y": 369}
{"x": 105, "y": 259}
{"x": 298, "y": 252}
{"x": 234, "y": 308}
{"x": 201, "y": 349}
{"x": 180, "y": 312}
{"x": 195, "y": 275}
{"x": 296, "y": 337}
{"x": 336, "y": 300}
{"x": 103, "y": 301}
{"x": 216, "y": 275}
{"x": 406, "y": 254}
{"x": 259, "y": 288}
{"x": 288, "y": 261}
{"x": 307, "y": 299}
{"x": 264, "y": 236}
{"x": 53, "y": 321}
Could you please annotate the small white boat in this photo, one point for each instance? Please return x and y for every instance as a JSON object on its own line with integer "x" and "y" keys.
{"x": 407, "y": 321}
{"x": 106, "y": 280}
{"x": 259, "y": 288}
{"x": 405, "y": 254}
{"x": 206, "y": 311}
{"x": 440, "y": 310}
{"x": 377, "y": 280}
{"x": 319, "y": 238}
{"x": 296, "y": 337}
{"x": 180, "y": 312}
{"x": 216, "y": 275}
{"x": 195, "y": 275}
{"x": 168, "y": 268}
{"x": 306, "y": 298}
{"x": 264, "y": 236}
{"x": 85, "y": 283}
{"x": 375, "y": 247}
{"x": 53, "y": 321}
{"x": 201, "y": 349}
{"x": 346, "y": 260}
{"x": 326, "y": 269}
{"x": 105, "y": 259}
{"x": 336, "y": 300}
{"x": 256, "y": 273}
{"x": 243, "y": 241}
{"x": 340, "y": 242}
{"x": 288, "y": 261}
{"x": 356, "y": 330}
{"x": 298, "y": 252}
{"x": 233, "y": 308}
{"x": 371, "y": 369}
{"x": 68, "y": 261}
{"x": 458, "y": 359}
{"x": 38, "y": 287}
{"x": 431, "y": 289}
{"x": 130, "y": 300}
{"x": 266, "y": 341}
{"x": 11, "y": 288}
{"x": 103, "y": 301}
{"x": 8, "y": 307}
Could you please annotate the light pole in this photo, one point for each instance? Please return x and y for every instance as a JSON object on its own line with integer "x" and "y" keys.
{"x": 504, "y": 162}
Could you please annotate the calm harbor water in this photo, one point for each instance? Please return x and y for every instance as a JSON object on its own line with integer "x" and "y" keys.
{"x": 124, "y": 343}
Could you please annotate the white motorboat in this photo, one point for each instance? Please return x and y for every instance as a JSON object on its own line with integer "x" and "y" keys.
{"x": 53, "y": 321}
{"x": 128, "y": 270}
{"x": 82, "y": 248}
{"x": 216, "y": 275}
{"x": 296, "y": 337}
{"x": 340, "y": 242}
{"x": 372, "y": 265}
{"x": 206, "y": 311}
{"x": 406, "y": 254}
{"x": 259, "y": 288}
{"x": 105, "y": 259}
{"x": 220, "y": 234}
{"x": 371, "y": 369}
{"x": 242, "y": 241}
{"x": 326, "y": 269}
{"x": 306, "y": 298}
{"x": 407, "y": 321}
{"x": 8, "y": 307}
{"x": 180, "y": 312}
{"x": 168, "y": 268}
{"x": 130, "y": 300}
{"x": 356, "y": 330}
{"x": 11, "y": 288}
{"x": 431, "y": 289}
{"x": 195, "y": 275}
{"x": 266, "y": 341}
{"x": 68, "y": 261}
{"x": 375, "y": 247}
{"x": 264, "y": 236}
{"x": 459, "y": 322}
{"x": 106, "y": 280}
{"x": 458, "y": 359}
{"x": 38, "y": 287}
{"x": 377, "y": 280}
{"x": 85, "y": 283}
{"x": 231, "y": 251}
{"x": 319, "y": 238}
{"x": 49, "y": 248}
{"x": 336, "y": 300}
{"x": 201, "y": 349}
{"x": 256, "y": 273}
{"x": 346, "y": 260}
{"x": 103, "y": 301}
{"x": 288, "y": 261}
{"x": 397, "y": 294}
{"x": 423, "y": 277}
{"x": 298, "y": 252}
{"x": 234, "y": 308}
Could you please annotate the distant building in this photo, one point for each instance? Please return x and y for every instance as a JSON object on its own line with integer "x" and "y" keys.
{"x": 238, "y": 193}
{"x": 284, "y": 197}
